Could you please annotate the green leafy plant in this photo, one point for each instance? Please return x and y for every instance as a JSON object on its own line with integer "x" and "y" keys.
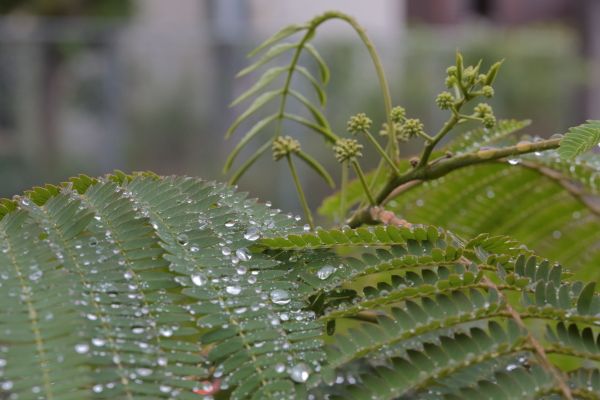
{"x": 141, "y": 286}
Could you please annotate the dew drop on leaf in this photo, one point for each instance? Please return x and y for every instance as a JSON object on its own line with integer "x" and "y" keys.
{"x": 226, "y": 251}
{"x": 279, "y": 296}
{"x": 82, "y": 348}
{"x": 230, "y": 224}
{"x": 234, "y": 290}
{"x": 325, "y": 272}
{"x": 252, "y": 234}
{"x": 243, "y": 254}
{"x": 300, "y": 373}
{"x": 198, "y": 279}
{"x": 182, "y": 239}
{"x": 279, "y": 368}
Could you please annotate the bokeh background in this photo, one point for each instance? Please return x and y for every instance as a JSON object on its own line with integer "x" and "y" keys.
{"x": 88, "y": 86}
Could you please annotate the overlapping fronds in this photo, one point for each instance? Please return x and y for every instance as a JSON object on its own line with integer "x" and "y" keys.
{"x": 132, "y": 287}
{"x": 420, "y": 313}
{"x": 145, "y": 287}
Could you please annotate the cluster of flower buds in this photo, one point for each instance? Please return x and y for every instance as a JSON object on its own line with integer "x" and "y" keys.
{"x": 485, "y": 112}
{"x": 403, "y": 128}
{"x": 471, "y": 83}
{"x": 347, "y": 149}
{"x": 359, "y": 123}
{"x": 284, "y": 146}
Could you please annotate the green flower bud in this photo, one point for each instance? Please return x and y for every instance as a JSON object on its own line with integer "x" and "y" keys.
{"x": 412, "y": 127}
{"x": 489, "y": 121}
{"x": 481, "y": 78}
{"x": 487, "y": 91}
{"x": 346, "y": 149}
{"x": 450, "y": 82}
{"x": 444, "y": 100}
{"x": 469, "y": 74}
{"x": 283, "y": 146}
{"x": 451, "y": 70}
{"x": 359, "y": 123}
{"x": 482, "y": 109}
{"x": 398, "y": 114}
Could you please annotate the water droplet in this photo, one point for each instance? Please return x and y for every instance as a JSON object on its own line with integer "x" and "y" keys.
{"x": 513, "y": 161}
{"x": 234, "y": 290}
{"x": 229, "y": 224}
{"x": 300, "y": 373}
{"x": 306, "y": 228}
{"x": 252, "y": 234}
{"x": 2, "y": 362}
{"x": 128, "y": 275}
{"x": 93, "y": 241}
{"x": 420, "y": 203}
{"x": 225, "y": 251}
{"x": 279, "y": 368}
{"x": 97, "y": 388}
{"x": 556, "y": 234}
{"x": 6, "y": 385}
{"x": 194, "y": 249}
{"x": 166, "y": 331}
{"x": 198, "y": 279}
{"x": 182, "y": 239}
{"x": 165, "y": 388}
{"x": 279, "y": 296}
{"x": 510, "y": 367}
{"x": 325, "y": 272}
{"x": 35, "y": 275}
{"x": 162, "y": 361}
{"x": 252, "y": 279}
{"x": 98, "y": 342}
{"x": 82, "y": 348}
{"x": 241, "y": 270}
{"x": 243, "y": 254}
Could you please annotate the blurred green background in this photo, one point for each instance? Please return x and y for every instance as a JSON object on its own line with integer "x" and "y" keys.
{"x": 90, "y": 86}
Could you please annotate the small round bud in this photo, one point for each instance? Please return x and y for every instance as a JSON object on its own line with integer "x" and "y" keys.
{"x": 481, "y": 78}
{"x": 449, "y": 154}
{"x": 469, "y": 74}
{"x": 346, "y": 149}
{"x": 450, "y": 82}
{"x": 444, "y": 100}
{"x": 482, "y": 109}
{"x": 284, "y": 146}
{"x": 489, "y": 121}
{"x": 359, "y": 123}
{"x": 412, "y": 127}
{"x": 398, "y": 114}
{"x": 487, "y": 91}
{"x": 451, "y": 70}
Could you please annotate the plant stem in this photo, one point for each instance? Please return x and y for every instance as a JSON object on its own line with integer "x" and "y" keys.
{"x": 382, "y": 152}
{"x": 363, "y": 181}
{"x": 343, "y": 190}
{"x": 303, "y": 201}
{"x": 443, "y": 167}
{"x": 385, "y": 90}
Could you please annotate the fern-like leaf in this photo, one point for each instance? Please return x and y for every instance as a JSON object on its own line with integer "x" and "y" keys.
{"x": 580, "y": 139}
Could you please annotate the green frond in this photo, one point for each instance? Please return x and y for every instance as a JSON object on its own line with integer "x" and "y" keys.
{"x": 579, "y": 140}
{"x": 273, "y": 52}
{"x": 139, "y": 286}
{"x": 257, "y": 104}
{"x": 323, "y": 68}
{"x": 532, "y": 204}
{"x": 277, "y": 37}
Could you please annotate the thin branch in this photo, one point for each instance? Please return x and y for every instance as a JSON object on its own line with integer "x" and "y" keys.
{"x": 303, "y": 201}
{"x": 443, "y": 167}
